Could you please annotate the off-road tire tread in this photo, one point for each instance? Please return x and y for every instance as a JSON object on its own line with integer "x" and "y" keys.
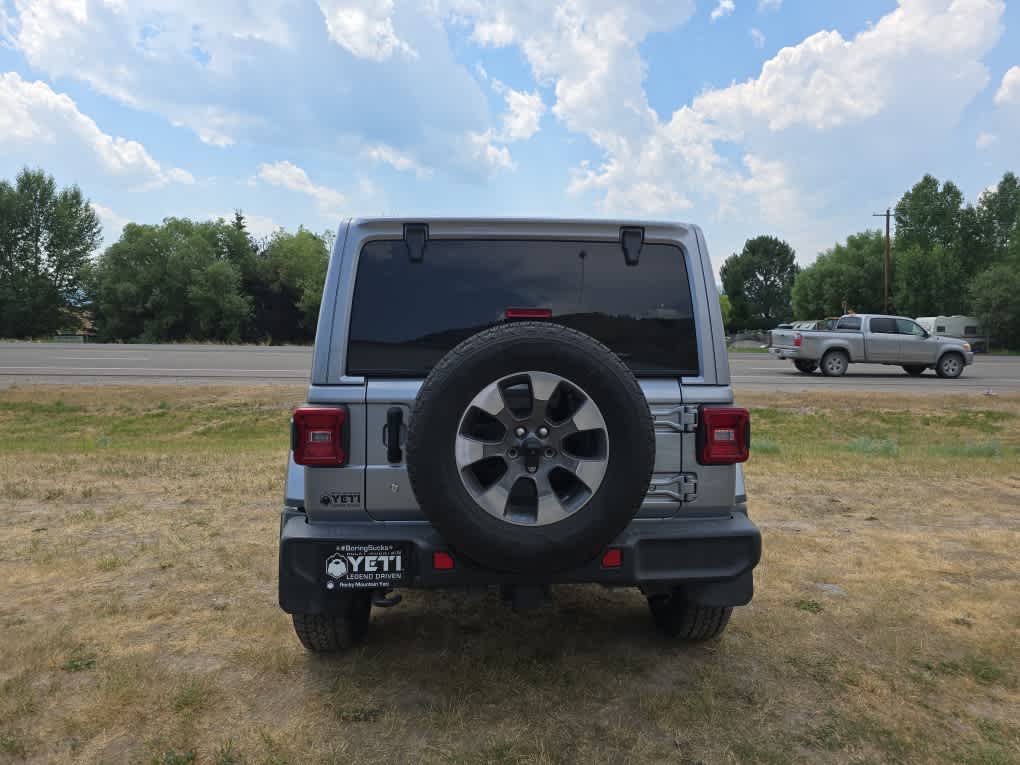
{"x": 330, "y": 633}
{"x": 683, "y": 620}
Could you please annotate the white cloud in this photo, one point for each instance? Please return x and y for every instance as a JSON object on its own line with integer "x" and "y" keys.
{"x": 589, "y": 51}
{"x": 487, "y": 154}
{"x": 724, "y": 8}
{"x": 986, "y": 140}
{"x": 289, "y": 176}
{"x": 364, "y": 28}
{"x": 805, "y": 121}
{"x": 769, "y": 5}
{"x": 113, "y": 224}
{"x": 757, "y": 37}
{"x": 33, "y": 115}
{"x": 273, "y": 72}
{"x": 523, "y": 113}
{"x": 396, "y": 159}
{"x": 1009, "y": 90}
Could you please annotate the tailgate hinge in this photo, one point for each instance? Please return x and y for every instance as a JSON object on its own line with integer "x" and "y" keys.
{"x": 631, "y": 239}
{"x": 686, "y": 487}
{"x": 689, "y": 419}
{"x": 686, "y": 418}
{"x": 415, "y": 237}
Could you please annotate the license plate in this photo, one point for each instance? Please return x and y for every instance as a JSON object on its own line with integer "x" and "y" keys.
{"x": 365, "y": 565}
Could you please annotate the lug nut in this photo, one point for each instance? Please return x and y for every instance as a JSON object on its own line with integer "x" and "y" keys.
{"x": 550, "y": 452}
{"x": 511, "y": 453}
{"x": 532, "y": 469}
{"x": 519, "y": 432}
{"x": 543, "y": 431}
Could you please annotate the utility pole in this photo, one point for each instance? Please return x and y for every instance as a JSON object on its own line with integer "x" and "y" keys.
{"x": 885, "y": 264}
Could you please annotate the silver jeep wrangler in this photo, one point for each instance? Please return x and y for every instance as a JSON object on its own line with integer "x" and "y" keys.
{"x": 517, "y": 404}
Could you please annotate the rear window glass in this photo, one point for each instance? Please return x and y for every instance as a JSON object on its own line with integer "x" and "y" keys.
{"x": 883, "y": 326}
{"x": 406, "y": 315}
{"x": 849, "y": 323}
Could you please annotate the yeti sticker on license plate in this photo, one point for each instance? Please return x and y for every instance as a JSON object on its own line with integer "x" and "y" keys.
{"x": 368, "y": 565}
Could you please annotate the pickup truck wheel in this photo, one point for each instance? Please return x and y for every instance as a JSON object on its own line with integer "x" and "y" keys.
{"x": 807, "y": 367}
{"x": 834, "y": 363}
{"x": 914, "y": 370}
{"x": 329, "y": 633}
{"x": 950, "y": 366}
{"x": 679, "y": 618}
{"x": 530, "y": 448}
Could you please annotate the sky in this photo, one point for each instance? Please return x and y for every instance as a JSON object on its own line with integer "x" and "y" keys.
{"x": 797, "y": 118}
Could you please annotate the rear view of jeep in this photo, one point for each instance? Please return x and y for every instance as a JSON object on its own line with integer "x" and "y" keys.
{"x": 516, "y": 405}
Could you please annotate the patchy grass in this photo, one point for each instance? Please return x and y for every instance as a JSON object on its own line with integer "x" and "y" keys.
{"x": 138, "y": 617}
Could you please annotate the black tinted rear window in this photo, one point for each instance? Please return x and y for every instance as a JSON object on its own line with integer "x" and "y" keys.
{"x": 849, "y": 323}
{"x": 407, "y": 315}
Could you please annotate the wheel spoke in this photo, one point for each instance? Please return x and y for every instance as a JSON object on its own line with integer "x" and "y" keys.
{"x": 550, "y": 509}
{"x": 588, "y": 417}
{"x": 490, "y": 400}
{"x": 494, "y": 499}
{"x": 471, "y": 450}
{"x": 588, "y": 471}
{"x": 543, "y": 385}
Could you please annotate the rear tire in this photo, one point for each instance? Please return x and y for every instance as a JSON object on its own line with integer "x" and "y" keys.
{"x": 807, "y": 367}
{"x": 330, "y": 633}
{"x": 950, "y": 366}
{"x": 914, "y": 370}
{"x": 683, "y": 620}
{"x": 834, "y": 363}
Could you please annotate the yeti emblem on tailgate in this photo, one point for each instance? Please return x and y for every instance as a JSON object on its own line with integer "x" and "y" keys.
{"x": 336, "y": 566}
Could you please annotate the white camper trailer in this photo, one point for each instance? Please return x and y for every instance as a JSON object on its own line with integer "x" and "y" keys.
{"x": 964, "y": 327}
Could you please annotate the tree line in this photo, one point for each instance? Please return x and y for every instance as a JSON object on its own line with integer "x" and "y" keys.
{"x": 172, "y": 281}
{"x": 947, "y": 257}
{"x": 212, "y": 280}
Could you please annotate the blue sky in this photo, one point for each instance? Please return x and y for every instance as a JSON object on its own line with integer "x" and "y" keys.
{"x": 798, "y": 118}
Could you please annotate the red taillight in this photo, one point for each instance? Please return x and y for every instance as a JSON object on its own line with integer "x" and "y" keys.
{"x": 318, "y": 436}
{"x": 528, "y": 313}
{"x": 724, "y": 435}
{"x": 798, "y": 338}
{"x": 612, "y": 558}
{"x": 442, "y": 561}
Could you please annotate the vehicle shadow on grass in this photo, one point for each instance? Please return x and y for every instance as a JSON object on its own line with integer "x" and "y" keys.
{"x": 474, "y": 647}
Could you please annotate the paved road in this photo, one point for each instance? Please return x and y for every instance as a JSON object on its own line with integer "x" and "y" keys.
{"x": 27, "y": 363}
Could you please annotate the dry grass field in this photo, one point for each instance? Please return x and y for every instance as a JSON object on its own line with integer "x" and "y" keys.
{"x": 138, "y": 621}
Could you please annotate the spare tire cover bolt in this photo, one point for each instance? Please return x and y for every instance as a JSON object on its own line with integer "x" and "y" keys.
{"x": 532, "y": 469}
{"x": 519, "y": 432}
{"x": 543, "y": 432}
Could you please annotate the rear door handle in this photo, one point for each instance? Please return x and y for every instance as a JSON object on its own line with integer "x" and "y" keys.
{"x": 394, "y": 424}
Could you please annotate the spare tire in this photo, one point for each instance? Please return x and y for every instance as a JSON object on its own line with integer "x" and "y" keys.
{"x": 530, "y": 447}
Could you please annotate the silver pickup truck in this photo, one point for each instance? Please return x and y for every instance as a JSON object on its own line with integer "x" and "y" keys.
{"x": 873, "y": 340}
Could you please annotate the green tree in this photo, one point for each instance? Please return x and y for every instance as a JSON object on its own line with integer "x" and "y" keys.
{"x": 172, "y": 281}
{"x": 928, "y": 215}
{"x": 46, "y": 238}
{"x": 287, "y": 285}
{"x": 845, "y": 277}
{"x": 999, "y": 214}
{"x": 727, "y": 310}
{"x": 993, "y": 296}
{"x": 758, "y": 282}
{"x": 928, "y": 283}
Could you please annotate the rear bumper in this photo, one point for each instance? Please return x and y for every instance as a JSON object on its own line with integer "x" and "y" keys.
{"x": 785, "y": 353}
{"x": 713, "y": 556}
